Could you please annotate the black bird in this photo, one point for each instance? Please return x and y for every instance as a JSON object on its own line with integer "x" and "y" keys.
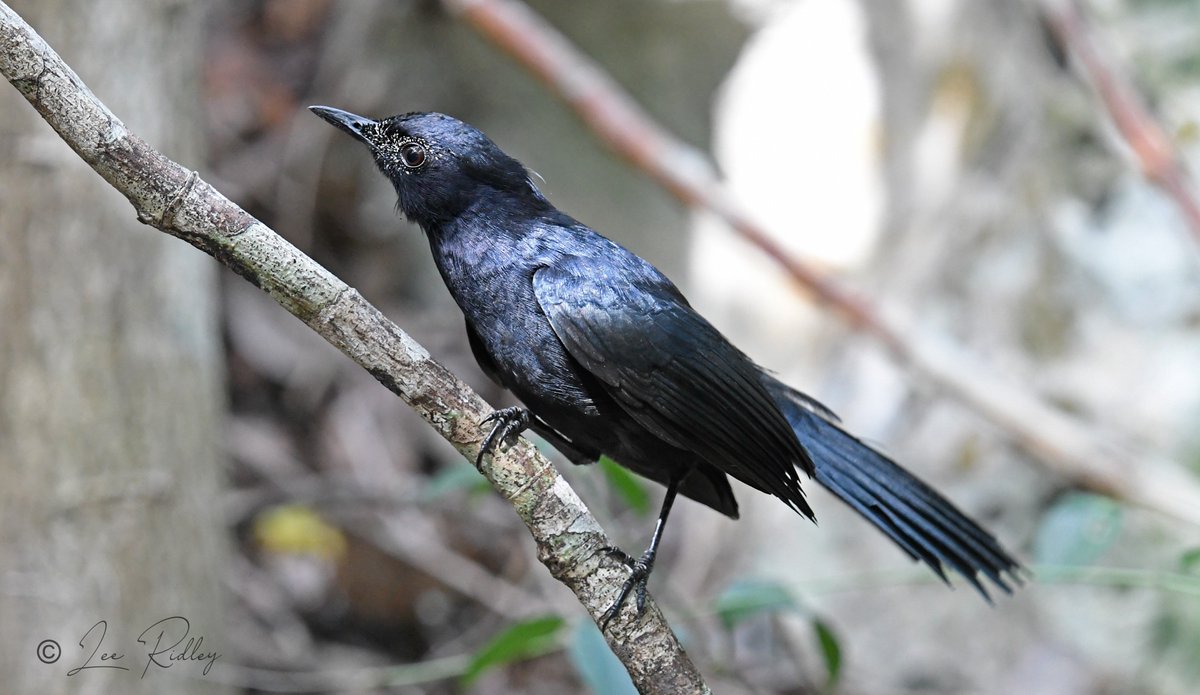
{"x": 609, "y": 358}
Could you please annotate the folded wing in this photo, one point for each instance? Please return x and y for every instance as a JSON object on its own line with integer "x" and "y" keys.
{"x": 674, "y": 374}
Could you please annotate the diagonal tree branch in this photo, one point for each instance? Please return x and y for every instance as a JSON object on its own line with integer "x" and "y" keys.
{"x": 1148, "y": 141}
{"x": 177, "y": 201}
{"x": 1061, "y": 442}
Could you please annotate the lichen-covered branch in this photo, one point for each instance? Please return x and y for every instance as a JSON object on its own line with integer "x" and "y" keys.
{"x": 177, "y": 201}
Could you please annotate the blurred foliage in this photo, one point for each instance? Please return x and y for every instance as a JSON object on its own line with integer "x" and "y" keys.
{"x": 1077, "y": 529}
{"x": 523, "y": 640}
{"x": 297, "y": 529}
{"x": 1190, "y": 561}
{"x": 1176, "y": 630}
{"x": 598, "y": 667}
{"x": 630, "y": 488}
{"x": 455, "y": 477}
{"x": 831, "y": 651}
{"x": 748, "y": 598}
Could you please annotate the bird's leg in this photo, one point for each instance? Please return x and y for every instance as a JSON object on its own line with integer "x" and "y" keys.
{"x": 641, "y": 568}
{"x": 510, "y": 422}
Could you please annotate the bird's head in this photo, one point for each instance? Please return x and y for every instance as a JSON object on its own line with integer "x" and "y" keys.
{"x": 438, "y": 164}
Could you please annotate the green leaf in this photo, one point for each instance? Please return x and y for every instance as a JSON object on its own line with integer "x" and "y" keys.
{"x": 598, "y": 667}
{"x": 521, "y": 641}
{"x": 1077, "y": 530}
{"x": 831, "y": 651}
{"x": 1175, "y": 635}
{"x": 458, "y": 476}
{"x": 1190, "y": 561}
{"x": 628, "y": 486}
{"x": 746, "y": 598}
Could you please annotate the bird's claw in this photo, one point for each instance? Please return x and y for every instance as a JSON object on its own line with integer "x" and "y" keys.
{"x": 619, "y": 555}
{"x": 509, "y": 423}
{"x": 638, "y": 576}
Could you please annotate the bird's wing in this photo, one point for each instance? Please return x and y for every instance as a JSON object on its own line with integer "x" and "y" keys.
{"x": 674, "y": 373}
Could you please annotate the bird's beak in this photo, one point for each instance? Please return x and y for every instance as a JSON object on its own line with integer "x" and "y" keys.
{"x": 345, "y": 120}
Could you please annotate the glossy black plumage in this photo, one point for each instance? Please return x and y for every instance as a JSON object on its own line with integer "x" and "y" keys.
{"x": 609, "y": 358}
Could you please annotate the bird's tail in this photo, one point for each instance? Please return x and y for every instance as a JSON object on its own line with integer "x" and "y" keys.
{"x": 918, "y": 519}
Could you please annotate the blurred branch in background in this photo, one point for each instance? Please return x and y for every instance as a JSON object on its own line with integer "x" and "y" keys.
{"x": 177, "y": 201}
{"x": 382, "y": 519}
{"x": 1148, "y": 142}
{"x": 1100, "y": 460}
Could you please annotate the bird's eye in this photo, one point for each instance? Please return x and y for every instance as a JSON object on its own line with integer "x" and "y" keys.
{"x": 413, "y": 155}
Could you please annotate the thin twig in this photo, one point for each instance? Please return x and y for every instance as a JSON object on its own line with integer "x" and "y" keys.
{"x": 1054, "y": 438}
{"x": 1163, "y": 581}
{"x": 413, "y": 538}
{"x": 408, "y": 537}
{"x": 1148, "y": 141}
{"x": 177, "y": 201}
{"x": 358, "y": 678}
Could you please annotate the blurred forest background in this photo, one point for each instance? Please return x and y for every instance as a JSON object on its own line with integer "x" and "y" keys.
{"x": 172, "y": 443}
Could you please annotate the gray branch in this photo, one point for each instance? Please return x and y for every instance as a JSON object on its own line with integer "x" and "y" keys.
{"x": 177, "y": 201}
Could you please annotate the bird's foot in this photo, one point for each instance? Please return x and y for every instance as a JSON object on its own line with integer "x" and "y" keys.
{"x": 510, "y": 422}
{"x": 638, "y": 576}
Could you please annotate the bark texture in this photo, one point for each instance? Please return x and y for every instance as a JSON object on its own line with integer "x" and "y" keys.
{"x": 109, "y": 373}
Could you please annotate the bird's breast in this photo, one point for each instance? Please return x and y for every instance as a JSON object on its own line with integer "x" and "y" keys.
{"x": 500, "y": 306}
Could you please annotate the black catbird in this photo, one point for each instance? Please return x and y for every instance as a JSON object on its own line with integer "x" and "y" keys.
{"x": 609, "y": 358}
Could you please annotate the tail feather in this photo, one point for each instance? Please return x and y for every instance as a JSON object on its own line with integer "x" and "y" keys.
{"x": 927, "y": 526}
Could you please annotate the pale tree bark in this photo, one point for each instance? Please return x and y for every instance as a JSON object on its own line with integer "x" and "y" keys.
{"x": 169, "y": 197}
{"x": 109, "y": 376}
